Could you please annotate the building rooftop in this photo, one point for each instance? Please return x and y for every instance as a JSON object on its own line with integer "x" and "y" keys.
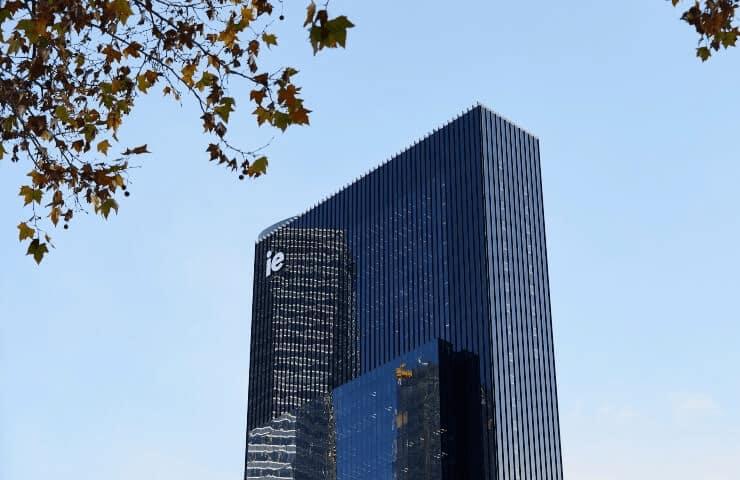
{"x": 267, "y": 232}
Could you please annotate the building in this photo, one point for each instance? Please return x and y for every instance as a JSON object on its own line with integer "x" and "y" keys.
{"x": 440, "y": 249}
{"x": 303, "y": 324}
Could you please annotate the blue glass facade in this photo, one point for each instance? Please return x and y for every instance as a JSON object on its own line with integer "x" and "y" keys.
{"x": 444, "y": 241}
{"x": 374, "y": 412}
{"x": 414, "y": 418}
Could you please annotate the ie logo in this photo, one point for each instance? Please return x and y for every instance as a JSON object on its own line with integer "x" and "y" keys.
{"x": 274, "y": 263}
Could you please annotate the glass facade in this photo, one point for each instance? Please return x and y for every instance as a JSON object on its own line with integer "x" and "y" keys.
{"x": 414, "y": 418}
{"x": 445, "y": 241}
{"x": 304, "y": 327}
{"x": 388, "y": 421}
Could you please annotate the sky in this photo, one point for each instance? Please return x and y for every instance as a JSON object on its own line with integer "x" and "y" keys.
{"x": 125, "y": 355}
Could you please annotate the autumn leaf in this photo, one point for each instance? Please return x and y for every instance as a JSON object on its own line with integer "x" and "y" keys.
{"x": 258, "y": 167}
{"x": 113, "y": 54}
{"x": 133, "y": 49}
{"x": 187, "y": 73}
{"x": 32, "y": 29}
{"x": 310, "y": 14}
{"x": 287, "y": 95}
{"x": 61, "y": 113}
{"x": 214, "y": 151}
{"x": 226, "y": 107}
{"x": 206, "y": 79}
{"x": 315, "y": 36}
{"x": 338, "y": 29}
{"x": 330, "y": 34}
{"x": 30, "y": 195}
{"x": 247, "y": 16}
{"x": 122, "y": 10}
{"x": 280, "y": 120}
{"x": 257, "y": 95}
{"x": 269, "y": 39}
{"x": 24, "y": 231}
{"x": 299, "y": 116}
{"x": 103, "y": 147}
{"x": 263, "y": 115}
{"x": 262, "y": 79}
{"x": 146, "y": 80}
{"x": 107, "y": 205}
{"x": 37, "y": 249}
{"x": 54, "y": 215}
{"x": 136, "y": 150}
{"x": 228, "y": 36}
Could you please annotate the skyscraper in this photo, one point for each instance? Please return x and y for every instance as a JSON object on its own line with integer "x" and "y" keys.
{"x": 443, "y": 243}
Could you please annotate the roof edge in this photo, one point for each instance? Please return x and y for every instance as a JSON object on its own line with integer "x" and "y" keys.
{"x": 272, "y": 229}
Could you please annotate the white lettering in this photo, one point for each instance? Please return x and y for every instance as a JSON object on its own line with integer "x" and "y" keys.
{"x": 274, "y": 263}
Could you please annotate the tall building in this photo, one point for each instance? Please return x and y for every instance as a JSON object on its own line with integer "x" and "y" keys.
{"x": 406, "y": 319}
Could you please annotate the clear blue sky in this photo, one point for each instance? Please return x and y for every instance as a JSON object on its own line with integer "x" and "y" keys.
{"x": 125, "y": 355}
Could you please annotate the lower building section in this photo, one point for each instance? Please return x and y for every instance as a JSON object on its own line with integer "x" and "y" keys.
{"x": 272, "y": 449}
{"x": 416, "y": 417}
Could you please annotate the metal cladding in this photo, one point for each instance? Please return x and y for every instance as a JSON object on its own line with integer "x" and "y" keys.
{"x": 444, "y": 242}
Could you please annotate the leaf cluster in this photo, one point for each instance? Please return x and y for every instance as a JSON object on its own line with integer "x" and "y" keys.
{"x": 715, "y": 22}
{"x": 72, "y": 70}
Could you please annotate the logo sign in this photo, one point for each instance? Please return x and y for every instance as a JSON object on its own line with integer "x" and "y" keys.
{"x": 274, "y": 263}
